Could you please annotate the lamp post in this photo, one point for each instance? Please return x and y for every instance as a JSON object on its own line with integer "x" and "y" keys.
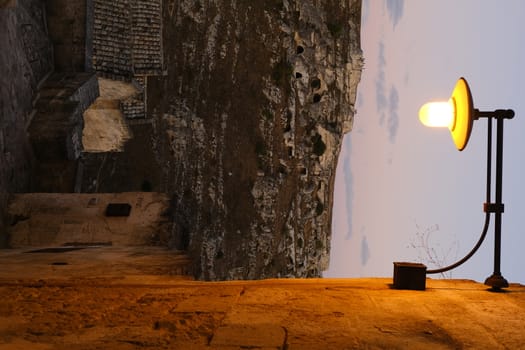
{"x": 458, "y": 114}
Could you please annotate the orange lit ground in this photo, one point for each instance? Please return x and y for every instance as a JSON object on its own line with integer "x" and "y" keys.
{"x": 132, "y": 298}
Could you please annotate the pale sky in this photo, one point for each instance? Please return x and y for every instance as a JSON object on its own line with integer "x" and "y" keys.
{"x": 397, "y": 179}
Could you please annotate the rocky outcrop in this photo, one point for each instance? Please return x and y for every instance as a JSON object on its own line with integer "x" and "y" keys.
{"x": 245, "y": 127}
{"x": 257, "y": 98}
{"x": 239, "y": 115}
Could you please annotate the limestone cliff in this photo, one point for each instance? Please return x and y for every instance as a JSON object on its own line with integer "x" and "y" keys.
{"x": 257, "y": 97}
{"x": 243, "y": 109}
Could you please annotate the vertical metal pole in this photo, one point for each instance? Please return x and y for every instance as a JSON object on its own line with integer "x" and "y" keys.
{"x": 497, "y": 281}
{"x": 499, "y": 204}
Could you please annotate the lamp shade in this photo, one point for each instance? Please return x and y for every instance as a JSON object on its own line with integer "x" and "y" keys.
{"x": 457, "y": 114}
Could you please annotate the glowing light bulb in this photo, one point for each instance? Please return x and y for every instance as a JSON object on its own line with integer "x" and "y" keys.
{"x": 438, "y": 114}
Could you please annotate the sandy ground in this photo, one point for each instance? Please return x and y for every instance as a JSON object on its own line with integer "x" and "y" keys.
{"x": 139, "y": 298}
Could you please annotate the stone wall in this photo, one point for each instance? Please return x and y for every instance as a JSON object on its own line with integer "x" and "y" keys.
{"x": 25, "y": 60}
{"x": 56, "y": 129}
{"x": 47, "y": 219}
{"x": 135, "y": 167}
{"x": 32, "y": 24}
{"x": 105, "y": 127}
{"x": 67, "y": 28}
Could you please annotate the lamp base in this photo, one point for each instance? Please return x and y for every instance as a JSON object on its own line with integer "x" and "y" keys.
{"x": 409, "y": 275}
{"x": 496, "y": 281}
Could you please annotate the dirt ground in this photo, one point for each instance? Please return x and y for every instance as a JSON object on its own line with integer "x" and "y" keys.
{"x": 139, "y": 298}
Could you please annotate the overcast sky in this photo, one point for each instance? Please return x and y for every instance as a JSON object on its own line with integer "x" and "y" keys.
{"x": 399, "y": 182}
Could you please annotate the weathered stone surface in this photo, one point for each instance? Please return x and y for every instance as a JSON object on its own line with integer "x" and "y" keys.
{"x": 246, "y": 127}
{"x": 25, "y": 60}
{"x": 57, "y": 121}
{"x": 67, "y": 22}
{"x": 56, "y": 130}
{"x": 127, "y": 38}
{"x": 108, "y": 298}
{"x": 105, "y": 129}
{"x": 240, "y": 116}
{"x": 56, "y": 219}
{"x": 41, "y": 113}
{"x": 255, "y": 103}
{"x": 262, "y": 336}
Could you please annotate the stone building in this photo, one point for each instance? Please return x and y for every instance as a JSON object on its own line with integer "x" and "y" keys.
{"x": 127, "y": 45}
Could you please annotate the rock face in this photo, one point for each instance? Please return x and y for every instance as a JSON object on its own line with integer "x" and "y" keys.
{"x": 238, "y": 117}
{"x": 255, "y": 103}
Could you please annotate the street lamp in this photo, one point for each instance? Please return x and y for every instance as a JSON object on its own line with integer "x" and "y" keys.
{"x": 458, "y": 114}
